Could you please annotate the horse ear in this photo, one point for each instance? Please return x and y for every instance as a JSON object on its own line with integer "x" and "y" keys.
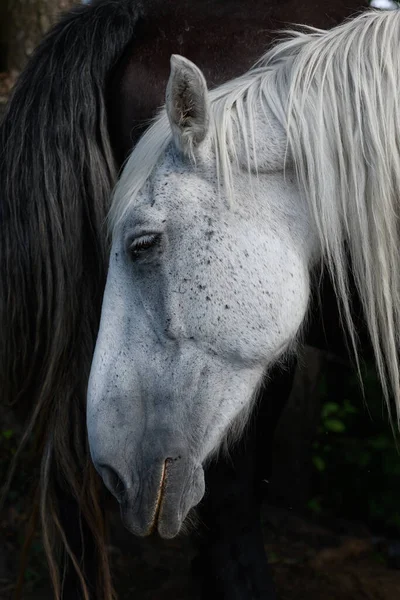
{"x": 187, "y": 104}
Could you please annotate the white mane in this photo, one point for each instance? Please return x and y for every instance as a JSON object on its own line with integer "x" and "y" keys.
{"x": 336, "y": 93}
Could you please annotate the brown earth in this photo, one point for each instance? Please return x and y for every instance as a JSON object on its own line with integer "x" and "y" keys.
{"x": 307, "y": 561}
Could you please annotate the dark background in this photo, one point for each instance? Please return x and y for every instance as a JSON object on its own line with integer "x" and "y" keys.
{"x": 332, "y": 524}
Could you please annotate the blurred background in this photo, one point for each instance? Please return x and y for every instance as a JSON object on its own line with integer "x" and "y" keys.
{"x": 332, "y": 522}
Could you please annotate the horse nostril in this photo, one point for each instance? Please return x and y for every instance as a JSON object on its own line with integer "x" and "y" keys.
{"x": 113, "y": 482}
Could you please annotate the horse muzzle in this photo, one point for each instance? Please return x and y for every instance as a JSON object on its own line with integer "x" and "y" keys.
{"x": 159, "y": 496}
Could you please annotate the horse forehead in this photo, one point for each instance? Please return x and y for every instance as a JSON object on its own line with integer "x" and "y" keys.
{"x": 177, "y": 177}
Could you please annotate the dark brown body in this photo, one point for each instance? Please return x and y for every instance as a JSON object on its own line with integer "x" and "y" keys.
{"x": 87, "y": 94}
{"x": 224, "y": 38}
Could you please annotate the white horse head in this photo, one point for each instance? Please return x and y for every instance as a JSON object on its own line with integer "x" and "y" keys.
{"x": 221, "y": 213}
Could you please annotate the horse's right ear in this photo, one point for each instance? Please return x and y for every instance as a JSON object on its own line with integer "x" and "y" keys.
{"x": 187, "y": 104}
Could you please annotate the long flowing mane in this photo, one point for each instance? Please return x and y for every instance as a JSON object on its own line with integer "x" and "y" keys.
{"x": 57, "y": 171}
{"x": 336, "y": 94}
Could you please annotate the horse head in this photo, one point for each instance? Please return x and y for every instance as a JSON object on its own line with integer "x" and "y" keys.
{"x": 208, "y": 284}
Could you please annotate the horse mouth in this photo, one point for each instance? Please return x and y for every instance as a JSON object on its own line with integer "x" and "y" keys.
{"x": 178, "y": 490}
{"x": 160, "y": 497}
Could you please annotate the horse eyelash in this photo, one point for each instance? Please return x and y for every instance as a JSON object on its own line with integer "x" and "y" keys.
{"x": 143, "y": 243}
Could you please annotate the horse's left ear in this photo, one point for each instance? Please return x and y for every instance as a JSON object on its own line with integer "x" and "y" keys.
{"x": 187, "y": 104}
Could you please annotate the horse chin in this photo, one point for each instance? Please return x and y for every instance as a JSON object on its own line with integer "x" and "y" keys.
{"x": 172, "y": 509}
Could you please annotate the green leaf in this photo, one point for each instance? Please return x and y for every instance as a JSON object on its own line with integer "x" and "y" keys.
{"x": 319, "y": 463}
{"x": 329, "y": 409}
{"x": 380, "y": 442}
{"x": 335, "y": 425}
{"x": 315, "y": 505}
{"x": 349, "y": 408}
{"x": 7, "y": 434}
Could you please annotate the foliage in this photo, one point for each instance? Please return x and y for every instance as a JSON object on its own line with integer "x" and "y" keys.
{"x": 356, "y": 458}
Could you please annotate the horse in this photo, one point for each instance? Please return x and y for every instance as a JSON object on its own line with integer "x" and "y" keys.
{"x": 71, "y": 122}
{"x": 227, "y": 206}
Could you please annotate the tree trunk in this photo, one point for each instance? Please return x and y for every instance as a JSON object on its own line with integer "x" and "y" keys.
{"x": 27, "y": 22}
{"x": 3, "y": 35}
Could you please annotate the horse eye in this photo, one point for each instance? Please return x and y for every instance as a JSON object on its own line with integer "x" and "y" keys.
{"x": 142, "y": 244}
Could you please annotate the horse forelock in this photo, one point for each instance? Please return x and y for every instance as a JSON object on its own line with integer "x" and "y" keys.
{"x": 336, "y": 94}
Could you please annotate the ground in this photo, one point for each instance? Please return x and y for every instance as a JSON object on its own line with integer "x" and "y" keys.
{"x": 330, "y": 561}
{"x": 340, "y": 562}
